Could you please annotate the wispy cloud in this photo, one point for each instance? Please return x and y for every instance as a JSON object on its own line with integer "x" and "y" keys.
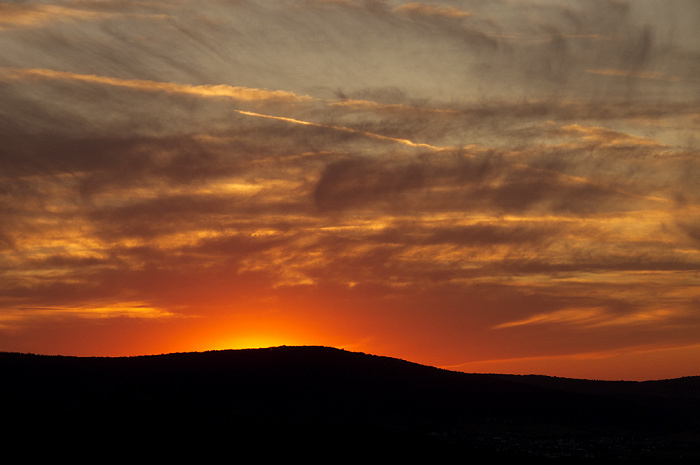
{"x": 37, "y": 14}
{"x": 422, "y": 9}
{"x": 656, "y": 75}
{"x": 595, "y": 317}
{"x": 86, "y": 311}
{"x": 219, "y": 90}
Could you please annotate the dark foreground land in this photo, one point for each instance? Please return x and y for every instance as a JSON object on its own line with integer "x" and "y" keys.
{"x": 316, "y": 402}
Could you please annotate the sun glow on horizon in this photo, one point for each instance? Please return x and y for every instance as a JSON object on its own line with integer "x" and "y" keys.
{"x": 256, "y": 341}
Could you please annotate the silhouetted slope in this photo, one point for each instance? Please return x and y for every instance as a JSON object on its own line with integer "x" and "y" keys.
{"x": 297, "y": 397}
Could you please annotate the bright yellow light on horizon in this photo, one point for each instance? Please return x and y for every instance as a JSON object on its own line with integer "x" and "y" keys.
{"x": 257, "y": 341}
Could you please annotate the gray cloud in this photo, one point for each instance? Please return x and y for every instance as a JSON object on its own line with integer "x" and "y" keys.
{"x": 357, "y": 181}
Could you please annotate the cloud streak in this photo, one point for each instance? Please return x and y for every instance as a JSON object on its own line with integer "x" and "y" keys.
{"x": 592, "y": 317}
{"x": 220, "y": 90}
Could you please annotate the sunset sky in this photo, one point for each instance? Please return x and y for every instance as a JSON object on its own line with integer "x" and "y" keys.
{"x": 505, "y": 186}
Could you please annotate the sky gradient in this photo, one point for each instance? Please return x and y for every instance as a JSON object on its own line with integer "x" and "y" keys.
{"x": 505, "y": 186}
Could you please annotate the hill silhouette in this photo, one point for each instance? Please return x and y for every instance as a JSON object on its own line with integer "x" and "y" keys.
{"x": 289, "y": 401}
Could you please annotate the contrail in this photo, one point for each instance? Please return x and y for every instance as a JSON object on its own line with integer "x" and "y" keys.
{"x": 345, "y": 129}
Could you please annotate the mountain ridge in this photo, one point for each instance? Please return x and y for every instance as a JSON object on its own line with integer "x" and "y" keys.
{"x": 287, "y": 393}
{"x": 4, "y": 353}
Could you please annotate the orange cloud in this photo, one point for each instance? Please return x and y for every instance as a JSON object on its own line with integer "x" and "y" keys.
{"x": 609, "y": 138}
{"x": 570, "y": 316}
{"x": 595, "y": 317}
{"x": 654, "y": 75}
{"x": 220, "y": 90}
{"x": 368, "y": 105}
{"x": 421, "y": 9}
{"x": 122, "y": 309}
{"x": 34, "y": 15}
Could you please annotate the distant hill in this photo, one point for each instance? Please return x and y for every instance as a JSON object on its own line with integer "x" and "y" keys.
{"x": 288, "y": 401}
